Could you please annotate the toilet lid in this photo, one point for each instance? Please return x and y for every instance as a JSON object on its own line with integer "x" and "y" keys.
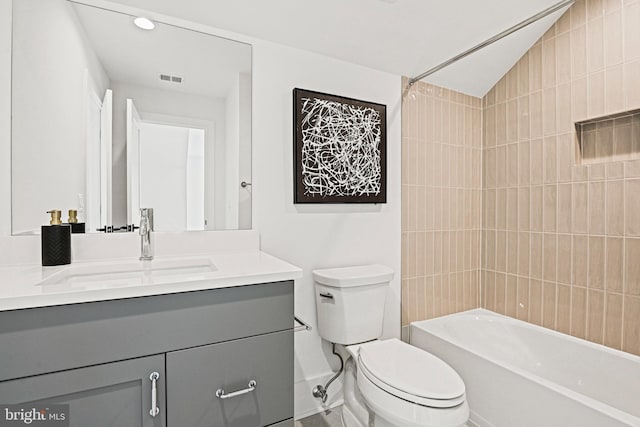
{"x": 411, "y": 373}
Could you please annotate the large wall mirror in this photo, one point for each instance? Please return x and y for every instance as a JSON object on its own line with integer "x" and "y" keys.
{"x": 108, "y": 117}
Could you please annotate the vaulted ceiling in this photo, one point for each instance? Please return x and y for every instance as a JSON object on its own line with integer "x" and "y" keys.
{"x": 404, "y": 37}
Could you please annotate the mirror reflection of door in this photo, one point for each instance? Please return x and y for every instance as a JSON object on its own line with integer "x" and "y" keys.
{"x": 106, "y": 170}
{"x": 133, "y": 164}
{"x": 94, "y": 168}
{"x": 166, "y": 171}
{"x": 96, "y": 209}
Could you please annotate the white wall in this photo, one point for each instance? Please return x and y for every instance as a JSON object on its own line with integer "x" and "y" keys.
{"x": 49, "y": 119}
{"x": 308, "y": 236}
{"x": 5, "y": 117}
{"x": 238, "y": 155}
{"x": 231, "y": 153}
{"x": 244, "y": 170}
{"x": 324, "y": 235}
{"x": 161, "y": 102}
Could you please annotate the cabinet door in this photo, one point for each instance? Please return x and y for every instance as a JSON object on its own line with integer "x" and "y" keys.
{"x": 111, "y": 395}
{"x": 195, "y": 376}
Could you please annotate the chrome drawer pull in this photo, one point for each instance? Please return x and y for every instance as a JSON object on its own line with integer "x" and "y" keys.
{"x": 154, "y": 394}
{"x": 221, "y": 394}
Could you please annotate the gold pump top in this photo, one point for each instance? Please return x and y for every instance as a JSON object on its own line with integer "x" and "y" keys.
{"x": 56, "y": 217}
{"x": 73, "y": 216}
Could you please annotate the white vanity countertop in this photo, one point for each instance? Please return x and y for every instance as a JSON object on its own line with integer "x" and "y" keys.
{"x": 31, "y": 286}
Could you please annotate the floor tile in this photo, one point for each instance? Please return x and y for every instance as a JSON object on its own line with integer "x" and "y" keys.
{"x": 329, "y": 418}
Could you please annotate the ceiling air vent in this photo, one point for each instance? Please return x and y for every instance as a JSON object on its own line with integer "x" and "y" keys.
{"x": 168, "y": 78}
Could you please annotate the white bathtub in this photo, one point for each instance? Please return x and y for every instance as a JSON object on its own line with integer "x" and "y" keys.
{"x": 519, "y": 374}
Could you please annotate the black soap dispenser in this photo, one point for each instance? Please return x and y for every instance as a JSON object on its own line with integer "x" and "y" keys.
{"x": 76, "y": 227}
{"x": 56, "y": 241}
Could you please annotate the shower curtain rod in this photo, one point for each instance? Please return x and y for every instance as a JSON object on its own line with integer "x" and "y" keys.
{"x": 505, "y": 33}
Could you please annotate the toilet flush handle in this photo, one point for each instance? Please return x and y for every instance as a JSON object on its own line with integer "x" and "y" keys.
{"x": 326, "y": 295}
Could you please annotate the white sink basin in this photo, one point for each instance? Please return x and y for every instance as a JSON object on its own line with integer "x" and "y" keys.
{"x": 126, "y": 273}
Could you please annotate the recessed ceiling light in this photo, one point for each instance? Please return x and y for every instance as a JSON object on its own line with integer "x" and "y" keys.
{"x": 144, "y": 23}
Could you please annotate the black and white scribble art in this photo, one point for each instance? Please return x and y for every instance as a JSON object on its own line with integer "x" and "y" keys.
{"x": 340, "y": 149}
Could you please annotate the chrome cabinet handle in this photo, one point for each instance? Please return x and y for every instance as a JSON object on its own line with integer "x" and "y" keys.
{"x": 222, "y": 395}
{"x": 154, "y": 394}
{"x": 327, "y": 295}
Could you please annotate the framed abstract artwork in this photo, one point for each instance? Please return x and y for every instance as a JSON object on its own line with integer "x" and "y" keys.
{"x": 340, "y": 147}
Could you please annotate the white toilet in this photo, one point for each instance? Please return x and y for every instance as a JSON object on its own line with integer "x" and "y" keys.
{"x": 387, "y": 383}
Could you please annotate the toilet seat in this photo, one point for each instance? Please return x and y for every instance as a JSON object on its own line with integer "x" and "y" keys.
{"x": 411, "y": 374}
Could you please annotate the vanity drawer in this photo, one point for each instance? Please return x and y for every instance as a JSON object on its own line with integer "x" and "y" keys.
{"x": 48, "y": 339}
{"x": 195, "y": 376}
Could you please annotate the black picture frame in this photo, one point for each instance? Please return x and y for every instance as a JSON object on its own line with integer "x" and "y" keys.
{"x": 340, "y": 149}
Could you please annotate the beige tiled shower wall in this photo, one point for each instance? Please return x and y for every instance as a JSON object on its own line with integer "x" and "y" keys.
{"x": 441, "y": 201}
{"x": 610, "y": 139}
{"x": 561, "y": 239}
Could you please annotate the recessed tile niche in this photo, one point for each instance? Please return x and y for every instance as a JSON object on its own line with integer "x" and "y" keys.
{"x": 609, "y": 138}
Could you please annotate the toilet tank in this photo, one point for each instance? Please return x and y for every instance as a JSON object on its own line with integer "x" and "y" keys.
{"x": 350, "y": 302}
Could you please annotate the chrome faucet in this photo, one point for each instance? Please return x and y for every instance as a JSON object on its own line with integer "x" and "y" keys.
{"x": 146, "y": 227}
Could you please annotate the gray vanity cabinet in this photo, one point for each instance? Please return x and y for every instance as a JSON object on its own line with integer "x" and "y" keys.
{"x": 113, "y": 394}
{"x": 98, "y": 358}
{"x": 198, "y": 377}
